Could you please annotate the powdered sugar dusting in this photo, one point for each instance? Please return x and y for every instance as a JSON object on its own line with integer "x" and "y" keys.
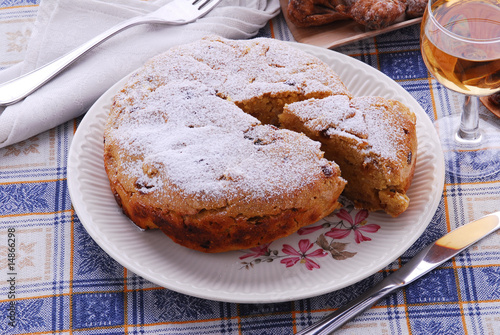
{"x": 366, "y": 120}
{"x": 211, "y": 160}
{"x": 175, "y": 122}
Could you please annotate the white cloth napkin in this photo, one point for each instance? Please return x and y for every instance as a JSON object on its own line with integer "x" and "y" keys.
{"x": 62, "y": 25}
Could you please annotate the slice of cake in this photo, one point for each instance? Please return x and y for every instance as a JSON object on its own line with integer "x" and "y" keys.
{"x": 372, "y": 139}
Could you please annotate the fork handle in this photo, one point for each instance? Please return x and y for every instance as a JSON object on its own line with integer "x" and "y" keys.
{"x": 19, "y": 88}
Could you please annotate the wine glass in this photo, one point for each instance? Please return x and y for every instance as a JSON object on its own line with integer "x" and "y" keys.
{"x": 460, "y": 44}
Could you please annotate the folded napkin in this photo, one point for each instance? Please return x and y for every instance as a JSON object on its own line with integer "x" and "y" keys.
{"x": 62, "y": 25}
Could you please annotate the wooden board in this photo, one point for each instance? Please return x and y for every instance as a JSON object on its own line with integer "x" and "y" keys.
{"x": 337, "y": 33}
{"x": 492, "y": 107}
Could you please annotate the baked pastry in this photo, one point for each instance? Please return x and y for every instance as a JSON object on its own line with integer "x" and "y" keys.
{"x": 377, "y": 14}
{"x": 415, "y": 8}
{"x": 186, "y": 150}
{"x": 192, "y": 145}
{"x": 373, "y": 14}
{"x": 372, "y": 139}
{"x": 307, "y": 13}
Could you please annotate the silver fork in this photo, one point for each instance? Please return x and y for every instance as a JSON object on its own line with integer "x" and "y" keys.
{"x": 177, "y": 12}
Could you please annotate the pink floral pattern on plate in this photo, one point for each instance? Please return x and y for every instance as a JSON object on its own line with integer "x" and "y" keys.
{"x": 321, "y": 244}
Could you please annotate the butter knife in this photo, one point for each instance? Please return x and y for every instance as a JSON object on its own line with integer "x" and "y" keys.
{"x": 426, "y": 260}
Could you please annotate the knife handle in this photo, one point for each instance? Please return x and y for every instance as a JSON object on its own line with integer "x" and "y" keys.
{"x": 427, "y": 259}
{"x": 338, "y": 318}
{"x": 412, "y": 270}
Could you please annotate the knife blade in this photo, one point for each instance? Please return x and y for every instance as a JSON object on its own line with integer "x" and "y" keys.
{"x": 426, "y": 260}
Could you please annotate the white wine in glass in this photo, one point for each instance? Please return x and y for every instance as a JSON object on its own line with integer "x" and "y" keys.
{"x": 460, "y": 44}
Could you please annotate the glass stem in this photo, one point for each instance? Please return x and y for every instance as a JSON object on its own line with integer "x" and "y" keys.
{"x": 469, "y": 124}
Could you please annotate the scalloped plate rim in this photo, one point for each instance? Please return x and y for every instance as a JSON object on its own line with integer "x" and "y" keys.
{"x": 128, "y": 261}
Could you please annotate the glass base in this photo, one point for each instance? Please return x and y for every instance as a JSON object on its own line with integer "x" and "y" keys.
{"x": 474, "y": 156}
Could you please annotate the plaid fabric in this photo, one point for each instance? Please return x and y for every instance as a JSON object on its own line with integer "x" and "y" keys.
{"x": 64, "y": 283}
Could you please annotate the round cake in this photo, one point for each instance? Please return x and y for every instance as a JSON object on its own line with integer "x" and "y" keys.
{"x": 192, "y": 147}
{"x": 221, "y": 144}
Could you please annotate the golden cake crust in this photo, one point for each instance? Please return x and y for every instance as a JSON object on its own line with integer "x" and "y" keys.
{"x": 186, "y": 152}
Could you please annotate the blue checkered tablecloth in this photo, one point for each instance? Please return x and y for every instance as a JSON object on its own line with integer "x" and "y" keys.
{"x": 66, "y": 284}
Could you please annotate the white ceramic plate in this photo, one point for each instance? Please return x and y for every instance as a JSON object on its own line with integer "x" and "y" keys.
{"x": 280, "y": 271}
